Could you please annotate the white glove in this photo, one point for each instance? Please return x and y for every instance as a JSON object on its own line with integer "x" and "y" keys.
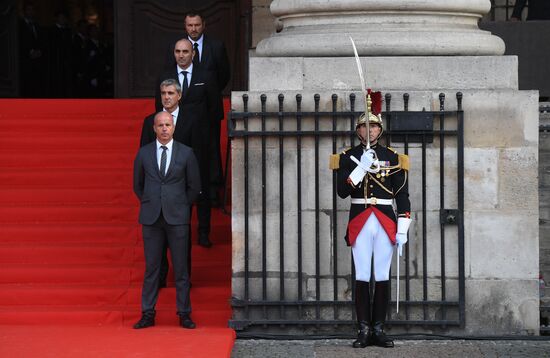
{"x": 401, "y": 239}
{"x": 367, "y": 159}
{"x": 401, "y": 236}
{"x": 357, "y": 175}
{"x": 370, "y": 162}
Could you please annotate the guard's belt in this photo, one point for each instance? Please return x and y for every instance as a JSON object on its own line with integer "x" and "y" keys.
{"x": 372, "y": 201}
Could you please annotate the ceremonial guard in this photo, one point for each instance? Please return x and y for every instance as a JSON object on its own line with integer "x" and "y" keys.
{"x": 375, "y": 177}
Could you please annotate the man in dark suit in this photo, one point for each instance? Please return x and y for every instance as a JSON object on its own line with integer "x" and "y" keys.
{"x": 210, "y": 55}
{"x": 31, "y": 55}
{"x": 60, "y": 57}
{"x": 79, "y": 56}
{"x": 187, "y": 131}
{"x": 198, "y": 103}
{"x": 166, "y": 181}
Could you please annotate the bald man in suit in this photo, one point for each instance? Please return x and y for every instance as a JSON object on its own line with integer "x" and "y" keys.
{"x": 198, "y": 103}
{"x": 166, "y": 181}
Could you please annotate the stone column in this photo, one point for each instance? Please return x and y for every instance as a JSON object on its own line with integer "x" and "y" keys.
{"x": 422, "y": 47}
{"x": 380, "y": 28}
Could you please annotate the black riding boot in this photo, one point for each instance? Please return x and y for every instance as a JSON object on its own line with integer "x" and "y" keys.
{"x": 362, "y": 309}
{"x": 379, "y": 311}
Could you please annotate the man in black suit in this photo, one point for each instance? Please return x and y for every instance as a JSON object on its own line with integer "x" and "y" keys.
{"x": 198, "y": 104}
{"x": 211, "y": 55}
{"x": 60, "y": 57}
{"x": 31, "y": 55}
{"x": 166, "y": 181}
{"x": 79, "y": 57}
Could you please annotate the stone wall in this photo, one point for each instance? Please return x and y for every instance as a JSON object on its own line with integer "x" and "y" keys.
{"x": 501, "y": 175}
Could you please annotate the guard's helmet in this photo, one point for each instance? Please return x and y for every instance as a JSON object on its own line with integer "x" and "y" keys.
{"x": 374, "y": 109}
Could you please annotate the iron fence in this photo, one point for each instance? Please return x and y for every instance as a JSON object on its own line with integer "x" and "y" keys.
{"x": 292, "y": 300}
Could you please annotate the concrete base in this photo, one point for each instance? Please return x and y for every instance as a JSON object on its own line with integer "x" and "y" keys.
{"x": 501, "y": 182}
{"x": 383, "y": 73}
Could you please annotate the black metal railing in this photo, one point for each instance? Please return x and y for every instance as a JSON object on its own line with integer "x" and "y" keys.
{"x": 293, "y": 301}
{"x": 544, "y": 130}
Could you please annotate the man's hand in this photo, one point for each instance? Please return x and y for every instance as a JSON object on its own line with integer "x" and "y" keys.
{"x": 401, "y": 239}
{"x": 401, "y": 236}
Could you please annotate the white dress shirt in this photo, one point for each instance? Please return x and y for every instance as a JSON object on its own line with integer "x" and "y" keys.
{"x": 168, "y": 153}
{"x": 174, "y": 114}
{"x": 189, "y": 74}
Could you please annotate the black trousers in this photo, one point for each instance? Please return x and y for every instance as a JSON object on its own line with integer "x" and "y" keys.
{"x": 216, "y": 171}
{"x": 154, "y": 238}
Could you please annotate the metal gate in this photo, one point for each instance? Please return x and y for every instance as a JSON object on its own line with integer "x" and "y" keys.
{"x": 278, "y": 300}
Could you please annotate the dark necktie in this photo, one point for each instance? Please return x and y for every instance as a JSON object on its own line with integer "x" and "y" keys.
{"x": 33, "y": 29}
{"x": 185, "y": 84}
{"x": 196, "y": 58}
{"x": 163, "y": 158}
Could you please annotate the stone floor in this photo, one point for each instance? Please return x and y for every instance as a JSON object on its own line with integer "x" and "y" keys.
{"x": 336, "y": 348}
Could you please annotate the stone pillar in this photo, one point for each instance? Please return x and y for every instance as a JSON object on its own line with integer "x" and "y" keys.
{"x": 422, "y": 48}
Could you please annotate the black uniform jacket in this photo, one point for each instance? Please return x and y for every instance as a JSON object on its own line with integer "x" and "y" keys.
{"x": 389, "y": 183}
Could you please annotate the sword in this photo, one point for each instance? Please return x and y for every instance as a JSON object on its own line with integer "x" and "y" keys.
{"x": 363, "y": 83}
{"x": 399, "y": 248}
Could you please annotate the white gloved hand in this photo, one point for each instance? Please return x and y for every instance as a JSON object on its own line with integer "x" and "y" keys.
{"x": 367, "y": 159}
{"x": 401, "y": 236}
{"x": 370, "y": 162}
{"x": 357, "y": 175}
{"x": 401, "y": 240}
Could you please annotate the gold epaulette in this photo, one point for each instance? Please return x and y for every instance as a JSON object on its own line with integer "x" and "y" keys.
{"x": 404, "y": 161}
{"x": 334, "y": 160}
{"x": 393, "y": 150}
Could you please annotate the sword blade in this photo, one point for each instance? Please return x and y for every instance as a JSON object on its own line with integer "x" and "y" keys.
{"x": 397, "y": 298}
{"x": 363, "y": 83}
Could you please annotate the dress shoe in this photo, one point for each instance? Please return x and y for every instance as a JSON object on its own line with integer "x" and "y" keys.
{"x": 205, "y": 242}
{"x": 186, "y": 322}
{"x": 147, "y": 320}
{"x": 379, "y": 337}
{"x": 364, "y": 336}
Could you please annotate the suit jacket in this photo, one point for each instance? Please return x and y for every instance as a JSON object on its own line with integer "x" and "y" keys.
{"x": 29, "y": 39}
{"x": 392, "y": 185}
{"x": 214, "y": 59}
{"x": 201, "y": 98}
{"x": 174, "y": 193}
{"x": 183, "y": 132}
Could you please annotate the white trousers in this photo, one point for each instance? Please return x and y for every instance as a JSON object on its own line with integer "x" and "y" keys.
{"x": 372, "y": 240}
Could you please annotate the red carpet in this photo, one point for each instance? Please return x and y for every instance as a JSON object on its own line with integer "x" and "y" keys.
{"x": 70, "y": 247}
